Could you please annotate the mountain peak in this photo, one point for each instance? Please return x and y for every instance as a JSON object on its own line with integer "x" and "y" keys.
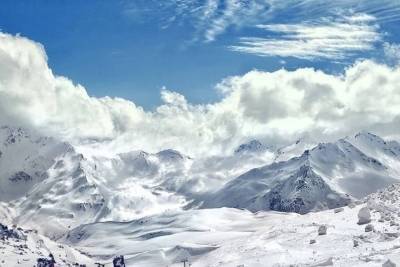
{"x": 253, "y": 146}
{"x": 368, "y": 135}
{"x": 169, "y": 154}
{"x": 11, "y": 135}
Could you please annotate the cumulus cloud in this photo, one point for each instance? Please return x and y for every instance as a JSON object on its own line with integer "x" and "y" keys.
{"x": 31, "y": 94}
{"x": 277, "y": 107}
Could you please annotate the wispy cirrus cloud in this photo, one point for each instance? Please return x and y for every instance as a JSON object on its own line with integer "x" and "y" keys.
{"x": 219, "y": 15}
{"x": 304, "y": 29}
{"x": 212, "y": 18}
{"x": 328, "y": 38}
{"x": 209, "y": 18}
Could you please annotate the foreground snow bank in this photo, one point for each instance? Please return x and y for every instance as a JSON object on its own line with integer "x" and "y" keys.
{"x": 232, "y": 237}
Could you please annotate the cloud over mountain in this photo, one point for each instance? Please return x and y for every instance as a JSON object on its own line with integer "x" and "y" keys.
{"x": 274, "y": 106}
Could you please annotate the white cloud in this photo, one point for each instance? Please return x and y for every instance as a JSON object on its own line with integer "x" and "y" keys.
{"x": 212, "y": 18}
{"x": 325, "y": 38}
{"x": 235, "y": 13}
{"x": 209, "y": 18}
{"x": 30, "y": 93}
{"x": 275, "y": 106}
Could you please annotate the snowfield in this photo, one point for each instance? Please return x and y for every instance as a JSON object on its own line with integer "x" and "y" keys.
{"x": 233, "y": 237}
{"x": 297, "y": 205}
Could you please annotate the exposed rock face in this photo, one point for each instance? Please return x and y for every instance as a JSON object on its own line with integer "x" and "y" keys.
{"x": 337, "y": 210}
{"x": 322, "y": 230}
{"x": 254, "y": 146}
{"x": 301, "y": 193}
{"x": 20, "y": 176}
{"x": 369, "y": 228}
{"x": 14, "y": 135}
{"x": 389, "y": 263}
{"x": 119, "y": 261}
{"x": 44, "y": 262}
{"x": 6, "y": 233}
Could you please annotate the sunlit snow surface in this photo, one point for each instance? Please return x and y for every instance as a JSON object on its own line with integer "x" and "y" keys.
{"x": 231, "y": 237}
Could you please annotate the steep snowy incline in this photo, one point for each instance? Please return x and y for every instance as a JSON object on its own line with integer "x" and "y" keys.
{"x": 23, "y": 247}
{"x": 45, "y": 180}
{"x": 388, "y": 152}
{"x": 24, "y": 160}
{"x": 284, "y": 186}
{"x": 293, "y": 150}
{"x": 327, "y": 176}
{"x": 67, "y": 198}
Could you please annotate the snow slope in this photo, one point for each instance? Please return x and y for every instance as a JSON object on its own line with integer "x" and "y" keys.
{"x": 22, "y": 247}
{"x": 43, "y": 179}
{"x": 233, "y": 237}
{"x": 24, "y": 160}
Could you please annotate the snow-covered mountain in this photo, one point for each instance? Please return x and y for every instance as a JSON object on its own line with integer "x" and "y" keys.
{"x": 253, "y": 146}
{"x": 294, "y": 149}
{"x": 51, "y": 179}
{"x": 43, "y": 179}
{"x": 165, "y": 207}
{"x": 24, "y": 160}
{"x": 326, "y": 176}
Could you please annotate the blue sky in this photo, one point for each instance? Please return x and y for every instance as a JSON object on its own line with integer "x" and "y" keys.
{"x": 132, "y": 49}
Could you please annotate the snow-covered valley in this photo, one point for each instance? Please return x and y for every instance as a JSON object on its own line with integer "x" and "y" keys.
{"x": 258, "y": 206}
